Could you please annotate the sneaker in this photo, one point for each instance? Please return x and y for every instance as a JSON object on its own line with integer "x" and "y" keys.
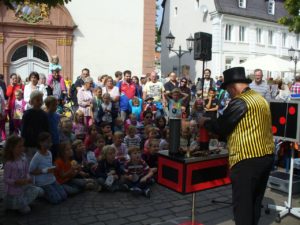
{"x": 99, "y": 188}
{"x": 147, "y": 192}
{"x": 109, "y": 180}
{"x": 25, "y": 210}
{"x": 136, "y": 190}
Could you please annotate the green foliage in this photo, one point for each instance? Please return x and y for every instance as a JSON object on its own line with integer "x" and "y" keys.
{"x": 50, "y": 3}
{"x": 293, "y": 20}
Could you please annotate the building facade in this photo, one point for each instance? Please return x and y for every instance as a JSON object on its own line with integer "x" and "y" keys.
{"x": 103, "y": 36}
{"x": 241, "y": 30}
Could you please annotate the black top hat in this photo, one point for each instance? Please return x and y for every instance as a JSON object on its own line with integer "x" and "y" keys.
{"x": 235, "y": 75}
{"x": 149, "y": 98}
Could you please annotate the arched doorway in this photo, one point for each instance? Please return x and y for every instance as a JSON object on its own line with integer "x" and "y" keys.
{"x": 28, "y": 58}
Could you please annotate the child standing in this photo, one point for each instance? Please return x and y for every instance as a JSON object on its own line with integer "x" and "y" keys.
{"x": 138, "y": 173}
{"x": 18, "y": 111}
{"x": 18, "y": 191}
{"x": 96, "y": 105}
{"x": 79, "y": 127}
{"x": 108, "y": 171}
{"x": 132, "y": 139}
{"x": 42, "y": 169}
{"x": 175, "y": 103}
{"x": 35, "y": 121}
{"x": 53, "y": 120}
{"x": 211, "y": 104}
{"x": 135, "y": 107}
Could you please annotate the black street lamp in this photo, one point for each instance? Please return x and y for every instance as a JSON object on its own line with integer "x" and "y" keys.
{"x": 294, "y": 56}
{"x": 190, "y": 43}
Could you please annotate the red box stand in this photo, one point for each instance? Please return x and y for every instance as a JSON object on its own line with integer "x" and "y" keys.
{"x": 188, "y": 175}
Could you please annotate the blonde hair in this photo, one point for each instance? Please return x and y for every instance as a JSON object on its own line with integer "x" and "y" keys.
{"x": 131, "y": 129}
{"x": 54, "y": 57}
{"x": 152, "y": 141}
{"x": 106, "y": 149}
{"x": 77, "y": 114}
{"x": 118, "y": 134}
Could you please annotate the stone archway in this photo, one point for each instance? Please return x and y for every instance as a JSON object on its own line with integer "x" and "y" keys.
{"x": 54, "y": 34}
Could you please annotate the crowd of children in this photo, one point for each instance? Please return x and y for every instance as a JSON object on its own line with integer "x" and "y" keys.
{"x": 54, "y": 157}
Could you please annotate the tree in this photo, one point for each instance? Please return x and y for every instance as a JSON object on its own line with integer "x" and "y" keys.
{"x": 293, "y": 20}
{"x": 50, "y": 3}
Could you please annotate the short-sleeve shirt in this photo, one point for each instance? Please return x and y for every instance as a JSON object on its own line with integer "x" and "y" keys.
{"x": 154, "y": 90}
{"x": 175, "y": 109}
{"x": 64, "y": 167}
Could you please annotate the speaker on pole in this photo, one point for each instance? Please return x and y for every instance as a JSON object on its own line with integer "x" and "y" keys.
{"x": 202, "y": 46}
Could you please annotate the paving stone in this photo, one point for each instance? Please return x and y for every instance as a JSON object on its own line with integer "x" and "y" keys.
{"x": 86, "y": 220}
{"x": 151, "y": 221}
{"x": 119, "y": 221}
{"x": 159, "y": 213}
{"x": 126, "y": 213}
{"x": 106, "y": 217}
{"x": 136, "y": 218}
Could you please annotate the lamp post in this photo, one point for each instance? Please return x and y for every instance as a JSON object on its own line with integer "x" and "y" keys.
{"x": 189, "y": 41}
{"x": 294, "y": 56}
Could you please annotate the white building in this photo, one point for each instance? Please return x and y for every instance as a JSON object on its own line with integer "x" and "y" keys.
{"x": 104, "y": 36}
{"x": 241, "y": 29}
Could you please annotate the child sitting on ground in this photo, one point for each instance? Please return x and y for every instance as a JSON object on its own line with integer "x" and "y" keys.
{"x": 100, "y": 143}
{"x": 119, "y": 124}
{"x": 42, "y": 169}
{"x": 151, "y": 157}
{"x": 107, "y": 132}
{"x": 18, "y": 189}
{"x": 109, "y": 172}
{"x": 153, "y": 133}
{"x": 138, "y": 173}
{"x": 66, "y": 172}
{"x": 121, "y": 149}
{"x": 90, "y": 139}
{"x": 66, "y": 134}
{"x": 132, "y": 139}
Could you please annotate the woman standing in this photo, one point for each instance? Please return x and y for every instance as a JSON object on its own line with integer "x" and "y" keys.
{"x": 85, "y": 98}
{"x": 139, "y": 88}
{"x": 10, "y": 93}
{"x": 32, "y": 86}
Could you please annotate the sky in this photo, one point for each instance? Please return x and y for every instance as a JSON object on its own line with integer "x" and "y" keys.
{"x": 159, "y": 12}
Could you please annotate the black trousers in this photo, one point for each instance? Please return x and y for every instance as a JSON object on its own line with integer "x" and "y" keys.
{"x": 249, "y": 179}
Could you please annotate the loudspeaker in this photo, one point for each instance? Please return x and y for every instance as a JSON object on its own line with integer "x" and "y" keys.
{"x": 202, "y": 46}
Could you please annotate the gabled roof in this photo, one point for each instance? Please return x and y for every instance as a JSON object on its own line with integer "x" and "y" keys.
{"x": 256, "y": 9}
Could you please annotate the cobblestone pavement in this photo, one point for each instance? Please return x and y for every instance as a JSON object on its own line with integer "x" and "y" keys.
{"x": 165, "y": 207}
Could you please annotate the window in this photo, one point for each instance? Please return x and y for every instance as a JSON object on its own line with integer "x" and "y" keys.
{"x": 242, "y": 60}
{"x": 298, "y": 41}
{"x": 228, "y": 62}
{"x": 271, "y": 7}
{"x": 40, "y": 54}
{"x": 242, "y": 34}
{"x": 19, "y": 53}
{"x": 258, "y": 35}
{"x": 228, "y": 31}
{"x": 175, "y": 11}
{"x": 284, "y": 40}
{"x": 270, "y": 37}
{"x": 242, "y": 4}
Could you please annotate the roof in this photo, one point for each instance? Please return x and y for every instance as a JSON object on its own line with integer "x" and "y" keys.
{"x": 256, "y": 9}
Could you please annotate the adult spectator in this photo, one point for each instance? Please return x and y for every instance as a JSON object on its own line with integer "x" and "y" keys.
{"x": 32, "y": 86}
{"x": 10, "y": 93}
{"x": 127, "y": 90}
{"x": 139, "y": 88}
{"x": 206, "y": 83}
{"x": 260, "y": 86}
{"x": 172, "y": 83}
{"x": 185, "y": 89}
{"x": 85, "y": 98}
{"x": 219, "y": 83}
{"x": 57, "y": 83}
{"x": 43, "y": 84}
{"x": 3, "y": 85}
{"x": 101, "y": 80}
{"x": 246, "y": 122}
{"x": 295, "y": 89}
{"x": 112, "y": 90}
{"x": 78, "y": 84}
{"x": 155, "y": 89}
{"x": 143, "y": 80}
{"x": 118, "y": 77}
